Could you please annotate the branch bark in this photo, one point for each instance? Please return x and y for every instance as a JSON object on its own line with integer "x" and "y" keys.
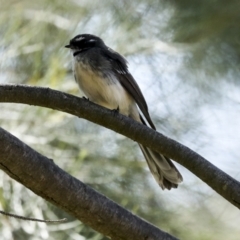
{"x": 47, "y": 180}
{"x": 222, "y": 183}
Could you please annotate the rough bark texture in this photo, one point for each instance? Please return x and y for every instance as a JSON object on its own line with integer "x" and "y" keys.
{"x": 47, "y": 180}
{"x": 221, "y": 182}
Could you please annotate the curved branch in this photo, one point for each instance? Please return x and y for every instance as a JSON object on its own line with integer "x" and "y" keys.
{"x": 221, "y": 182}
{"x": 47, "y": 180}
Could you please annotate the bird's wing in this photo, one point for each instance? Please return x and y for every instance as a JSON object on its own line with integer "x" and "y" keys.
{"x": 120, "y": 68}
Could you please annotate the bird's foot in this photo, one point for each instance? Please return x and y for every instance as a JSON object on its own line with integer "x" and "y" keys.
{"x": 115, "y": 111}
{"x": 85, "y": 98}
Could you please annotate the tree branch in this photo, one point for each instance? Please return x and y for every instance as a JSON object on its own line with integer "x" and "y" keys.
{"x": 47, "y": 180}
{"x": 221, "y": 182}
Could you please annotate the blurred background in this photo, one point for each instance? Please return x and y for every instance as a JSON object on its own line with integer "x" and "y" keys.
{"x": 185, "y": 56}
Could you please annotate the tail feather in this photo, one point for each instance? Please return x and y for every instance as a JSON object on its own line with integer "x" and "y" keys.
{"x": 162, "y": 168}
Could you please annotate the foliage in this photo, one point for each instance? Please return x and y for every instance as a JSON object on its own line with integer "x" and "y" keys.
{"x": 183, "y": 48}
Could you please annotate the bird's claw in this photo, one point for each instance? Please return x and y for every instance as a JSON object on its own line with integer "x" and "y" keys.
{"x": 115, "y": 111}
{"x": 85, "y": 98}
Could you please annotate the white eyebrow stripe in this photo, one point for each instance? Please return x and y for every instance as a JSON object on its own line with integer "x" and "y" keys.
{"x": 92, "y": 40}
{"x": 80, "y": 38}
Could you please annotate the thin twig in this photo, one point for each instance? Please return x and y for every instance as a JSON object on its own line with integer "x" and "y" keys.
{"x": 32, "y": 219}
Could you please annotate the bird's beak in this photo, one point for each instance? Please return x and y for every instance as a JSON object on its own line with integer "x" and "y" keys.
{"x": 68, "y": 46}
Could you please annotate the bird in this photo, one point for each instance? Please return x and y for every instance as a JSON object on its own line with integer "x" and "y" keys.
{"x": 103, "y": 76}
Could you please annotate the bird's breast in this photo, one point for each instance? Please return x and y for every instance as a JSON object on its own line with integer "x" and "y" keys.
{"x": 102, "y": 88}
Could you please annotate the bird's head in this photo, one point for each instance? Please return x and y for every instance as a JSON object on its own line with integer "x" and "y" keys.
{"x": 83, "y": 42}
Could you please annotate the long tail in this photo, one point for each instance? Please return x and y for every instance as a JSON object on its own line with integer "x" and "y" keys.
{"x": 162, "y": 168}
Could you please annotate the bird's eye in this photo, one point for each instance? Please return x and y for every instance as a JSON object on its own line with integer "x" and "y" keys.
{"x": 92, "y": 40}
